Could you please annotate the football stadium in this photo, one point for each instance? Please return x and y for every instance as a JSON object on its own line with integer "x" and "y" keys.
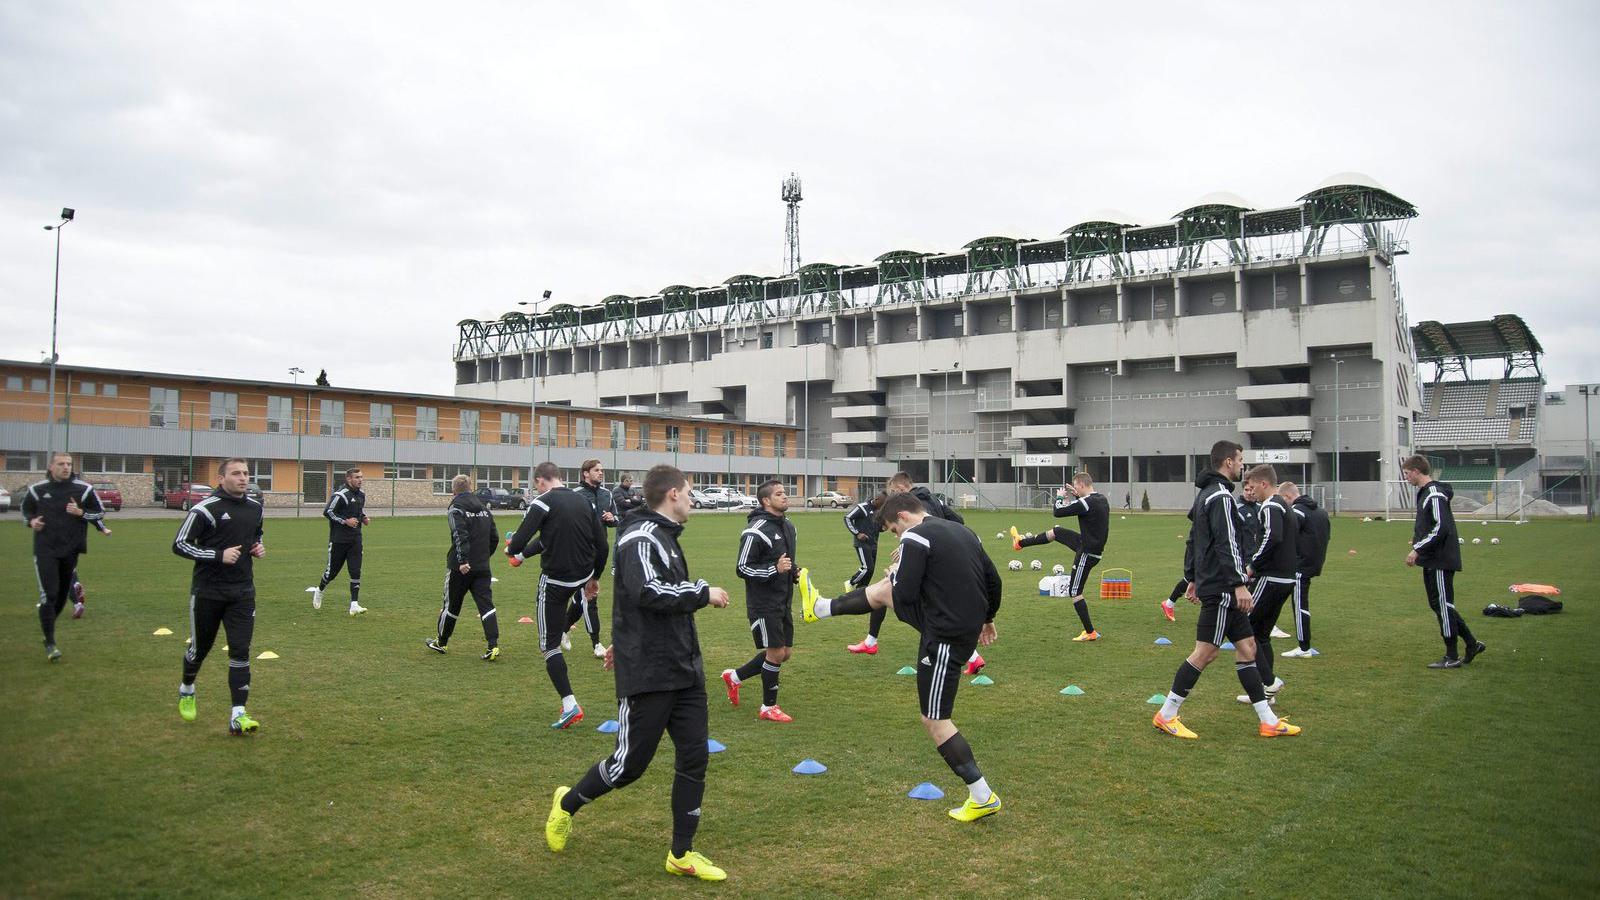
{"x": 872, "y": 577}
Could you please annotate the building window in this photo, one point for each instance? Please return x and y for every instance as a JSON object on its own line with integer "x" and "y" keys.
{"x": 752, "y": 443}
{"x": 280, "y": 415}
{"x": 702, "y": 439}
{"x": 672, "y": 439}
{"x": 13, "y": 382}
{"x": 163, "y": 407}
{"x": 503, "y": 477}
{"x": 108, "y": 463}
{"x": 224, "y": 411}
{"x": 727, "y": 441}
{"x": 108, "y": 390}
{"x": 38, "y": 386}
{"x": 427, "y": 423}
{"x": 406, "y": 471}
{"x": 510, "y": 428}
{"x": 643, "y": 443}
{"x": 442, "y": 476}
{"x": 469, "y": 428}
{"x": 86, "y": 388}
{"x": 381, "y": 423}
{"x": 23, "y": 461}
{"x": 547, "y": 430}
{"x": 261, "y": 474}
{"x": 766, "y": 340}
{"x": 619, "y": 434}
{"x": 583, "y": 430}
{"x": 330, "y": 419}
{"x": 780, "y": 445}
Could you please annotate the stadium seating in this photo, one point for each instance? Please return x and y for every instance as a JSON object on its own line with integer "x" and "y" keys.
{"x": 1458, "y": 413}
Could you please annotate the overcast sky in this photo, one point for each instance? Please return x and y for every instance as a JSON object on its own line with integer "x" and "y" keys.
{"x": 265, "y": 185}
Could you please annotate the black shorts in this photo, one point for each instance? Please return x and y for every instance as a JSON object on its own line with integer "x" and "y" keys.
{"x": 1079, "y": 574}
{"x": 1221, "y": 621}
{"x": 551, "y": 613}
{"x": 772, "y": 629}
{"x": 939, "y": 670}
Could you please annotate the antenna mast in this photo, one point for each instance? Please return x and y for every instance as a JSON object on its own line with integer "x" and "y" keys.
{"x": 791, "y": 198}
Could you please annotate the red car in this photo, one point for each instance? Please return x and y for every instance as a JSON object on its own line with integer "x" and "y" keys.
{"x": 185, "y": 495}
{"x": 110, "y": 496}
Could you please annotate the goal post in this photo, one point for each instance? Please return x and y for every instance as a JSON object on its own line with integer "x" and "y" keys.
{"x": 1495, "y": 500}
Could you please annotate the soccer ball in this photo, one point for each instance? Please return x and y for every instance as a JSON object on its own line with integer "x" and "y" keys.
{"x": 1029, "y": 534}
{"x": 1366, "y": 518}
{"x": 1036, "y": 565}
{"x": 1461, "y": 540}
{"x": 1000, "y": 535}
{"x": 1015, "y": 565}
{"x": 1058, "y": 569}
{"x": 1477, "y": 540}
{"x": 1494, "y": 540}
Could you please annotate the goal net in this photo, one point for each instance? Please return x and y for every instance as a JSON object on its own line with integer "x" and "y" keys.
{"x": 1474, "y": 501}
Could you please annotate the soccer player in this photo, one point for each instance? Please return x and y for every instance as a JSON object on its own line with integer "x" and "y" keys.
{"x": 767, "y": 549}
{"x": 571, "y": 546}
{"x": 1311, "y": 549}
{"x": 59, "y": 510}
{"x": 945, "y": 586}
{"x": 862, "y": 523}
{"x": 222, "y": 534}
{"x": 1436, "y": 548}
{"x": 472, "y": 542}
{"x": 592, "y": 487}
{"x": 623, "y": 498}
{"x": 1213, "y": 563}
{"x": 660, "y": 677}
{"x": 1094, "y": 514}
{"x": 346, "y": 513}
{"x": 901, "y": 483}
{"x": 1271, "y": 569}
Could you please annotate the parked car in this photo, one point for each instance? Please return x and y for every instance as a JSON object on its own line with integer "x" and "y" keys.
{"x": 5, "y": 500}
{"x": 500, "y": 498}
{"x": 110, "y": 495}
{"x": 743, "y": 500}
{"x": 829, "y": 498}
{"x": 710, "y": 498}
{"x": 186, "y": 495}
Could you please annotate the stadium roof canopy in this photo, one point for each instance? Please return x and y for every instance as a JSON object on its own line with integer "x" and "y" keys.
{"x": 1504, "y": 337}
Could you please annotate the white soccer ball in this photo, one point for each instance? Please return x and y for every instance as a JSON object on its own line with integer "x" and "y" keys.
{"x": 1366, "y": 518}
{"x": 1494, "y": 540}
{"x": 1461, "y": 540}
{"x": 1036, "y": 565}
{"x": 1028, "y": 534}
{"x": 1058, "y": 569}
{"x": 1015, "y": 565}
{"x": 1477, "y": 540}
{"x": 1000, "y": 535}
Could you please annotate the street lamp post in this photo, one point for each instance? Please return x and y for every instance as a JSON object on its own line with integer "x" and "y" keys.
{"x": 295, "y": 372}
{"x": 533, "y": 397}
{"x": 1588, "y": 390}
{"x": 67, "y": 214}
{"x": 1337, "y": 363}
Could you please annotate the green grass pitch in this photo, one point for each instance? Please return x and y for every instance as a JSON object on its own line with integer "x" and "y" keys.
{"x": 386, "y": 770}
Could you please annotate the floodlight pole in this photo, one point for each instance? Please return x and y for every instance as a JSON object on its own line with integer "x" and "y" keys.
{"x": 533, "y": 401}
{"x": 55, "y": 306}
{"x": 1587, "y": 391}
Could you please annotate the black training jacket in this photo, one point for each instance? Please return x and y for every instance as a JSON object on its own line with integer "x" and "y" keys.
{"x": 1434, "y": 534}
{"x": 1213, "y": 556}
{"x": 1276, "y": 555}
{"x": 603, "y": 501}
{"x": 653, "y": 601}
{"x": 1311, "y": 547}
{"x": 346, "y": 503}
{"x": 64, "y": 534}
{"x": 1249, "y": 525}
{"x": 862, "y": 519}
{"x": 624, "y": 501}
{"x": 472, "y": 533}
{"x": 765, "y": 538}
{"x": 935, "y": 506}
{"x": 572, "y": 543}
{"x": 213, "y": 525}
{"x": 1094, "y": 518}
{"x": 945, "y": 585}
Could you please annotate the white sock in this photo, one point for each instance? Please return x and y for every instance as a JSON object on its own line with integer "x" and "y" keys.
{"x": 733, "y": 675}
{"x": 354, "y": 604}
{"x": 568, "y": 703}
{"x": 973, "y": 656}
{"x": 979, "y": 791}
{"x": 186, "y": 689}
{"x": 1265, "y": 714}
{"x": 1170, "y": 708}
{"x": 238, "y": 711}
{"x": 765, "y": 707}
{"x": 870, "y": 641}
{"x": 823, "y": 607}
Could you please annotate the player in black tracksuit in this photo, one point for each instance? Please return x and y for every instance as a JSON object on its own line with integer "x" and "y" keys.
{"x": 862, "y": 523}
{"x": 472, "y": 542}
{"x": 766, "y": 562}
{"x": 59, "y": 509}
{"x": 945, "y": 586}
{"x": 222, "y": 534}
{"x": 1094, "y": 516}
{"x": 346, "y": 513}
{"x": 1271, "y": 569}
{"x": 1311, "y": 550}
{"x": 572, "y": 551}
{"x": 1214, "y": 565}
{"x": 660, "y": 677}
{"x": 899, "y": 483}
{"x": 1436, "y": 548}
{"x": 592, "y": 487}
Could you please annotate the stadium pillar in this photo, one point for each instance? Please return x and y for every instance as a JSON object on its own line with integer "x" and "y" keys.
{"x": 1337, "y": 364}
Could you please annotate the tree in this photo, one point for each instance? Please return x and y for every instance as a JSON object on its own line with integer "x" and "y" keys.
{"x": 322, "y": 378}
{"x": 1144, "y": 502}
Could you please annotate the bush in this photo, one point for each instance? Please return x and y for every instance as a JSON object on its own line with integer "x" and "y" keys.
{"x": 1144, "y": 502}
